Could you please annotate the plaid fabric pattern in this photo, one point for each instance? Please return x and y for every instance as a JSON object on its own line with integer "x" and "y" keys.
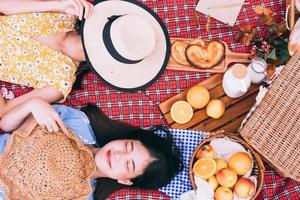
{"x": 136, "y": 194}
{"x": 141, "y": 108}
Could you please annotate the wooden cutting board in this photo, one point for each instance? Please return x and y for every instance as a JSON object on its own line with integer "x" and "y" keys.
{"x": 230, "y": 57}
{"x": 235, "y": 112}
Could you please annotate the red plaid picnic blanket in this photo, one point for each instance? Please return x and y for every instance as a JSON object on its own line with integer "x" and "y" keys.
{"x": 141, "y": 108}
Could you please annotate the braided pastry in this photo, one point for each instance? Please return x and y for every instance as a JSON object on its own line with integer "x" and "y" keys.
{"x": 198, "y": 53}
{"x": 178, "y": 52}
{"x": 205, "y": 57}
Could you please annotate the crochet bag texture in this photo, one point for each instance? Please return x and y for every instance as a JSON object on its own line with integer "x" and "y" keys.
{"x": 273, "y": 129}
{"x": 37, "y": 164}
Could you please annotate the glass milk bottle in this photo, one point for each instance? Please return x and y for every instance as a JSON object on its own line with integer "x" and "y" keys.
{"x": 257, "y": 70}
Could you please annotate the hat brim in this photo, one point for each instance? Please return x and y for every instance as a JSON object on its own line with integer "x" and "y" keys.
{"x": 121, "y": 76}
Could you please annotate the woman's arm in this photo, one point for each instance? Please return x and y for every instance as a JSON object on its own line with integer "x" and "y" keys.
{"x": 74, "y": 7}
{"x": 42, "y": 111}
{"x": 9, "y": 7}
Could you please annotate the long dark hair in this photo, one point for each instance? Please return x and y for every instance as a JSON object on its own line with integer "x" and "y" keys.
{"x": 164, "y": 168}
{"x": 83, "y": 67}
{"x": 81, "y": 71}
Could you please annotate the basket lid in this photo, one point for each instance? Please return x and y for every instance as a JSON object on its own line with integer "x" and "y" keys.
{"x": 273, "y": 128}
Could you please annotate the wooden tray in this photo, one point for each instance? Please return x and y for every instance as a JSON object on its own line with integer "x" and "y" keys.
{"x": 230, "y": 57}
{"x": 236, "y": 109}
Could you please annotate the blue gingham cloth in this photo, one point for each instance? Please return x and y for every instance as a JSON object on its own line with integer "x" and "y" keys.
{"x": 186, "y": 141}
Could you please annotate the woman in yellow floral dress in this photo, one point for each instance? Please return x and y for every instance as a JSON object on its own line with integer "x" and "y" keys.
{"x": 39, "y": 47}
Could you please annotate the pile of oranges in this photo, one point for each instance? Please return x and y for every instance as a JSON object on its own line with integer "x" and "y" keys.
{"x": 225, "y": 177}
{"x": 197, "y": 97}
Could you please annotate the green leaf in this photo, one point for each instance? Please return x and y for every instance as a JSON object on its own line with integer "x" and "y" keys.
{"x": 278, "y": 42}
{"x": 282, "y": 52}
{"x": 272, "y": 55}
{"x": 272, "y": 28}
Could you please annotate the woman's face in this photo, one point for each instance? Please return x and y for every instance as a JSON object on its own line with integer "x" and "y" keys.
{"x": 122, "y": 160}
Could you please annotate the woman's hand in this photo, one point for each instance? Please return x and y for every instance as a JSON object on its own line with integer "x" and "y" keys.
{"x": 46, "y": 116}
{"x": 42, "y": 111}
{"x": 76, "y": 7}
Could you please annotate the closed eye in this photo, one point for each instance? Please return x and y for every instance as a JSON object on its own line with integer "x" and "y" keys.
{"x": 127, "y": 146}
{"x": 133, "y": 163}
{"x": 131, "y": 146}
{"x": 127, "y": 166}
{"x": 133, "y": 166}
{"x": 130, "y": 166}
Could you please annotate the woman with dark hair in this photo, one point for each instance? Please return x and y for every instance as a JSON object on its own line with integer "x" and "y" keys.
{"x": 123, "y": 41}
{"x": 40, "y": 47}
{"x": 124, "y": 155}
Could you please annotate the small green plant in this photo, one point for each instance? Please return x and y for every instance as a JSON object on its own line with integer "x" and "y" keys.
{"x": 273, "y": 48}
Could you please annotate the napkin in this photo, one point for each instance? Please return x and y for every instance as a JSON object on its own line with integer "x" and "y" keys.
{"x": 225, "y": 11}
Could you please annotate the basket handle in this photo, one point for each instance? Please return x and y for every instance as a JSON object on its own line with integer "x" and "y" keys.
{"x": 286, "y": 17}
{"x": 290, "y": 20}
{"x": 214, "y": 133}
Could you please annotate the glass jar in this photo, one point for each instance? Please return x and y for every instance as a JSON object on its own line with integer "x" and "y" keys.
{"x": 257, "y": 70}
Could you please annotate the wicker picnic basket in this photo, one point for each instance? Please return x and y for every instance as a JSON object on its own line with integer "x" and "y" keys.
{"x": 273, "y": 129}
{"x": 259, "y": 168}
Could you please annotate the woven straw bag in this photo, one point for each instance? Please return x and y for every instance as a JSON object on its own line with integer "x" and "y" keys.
{"x": 259, "y": 168}
{"x": 273, "y": 129}
{"x": 38, "y": 165}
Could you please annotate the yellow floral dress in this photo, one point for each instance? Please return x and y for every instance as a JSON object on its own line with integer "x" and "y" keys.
{"x": 26, "y": 61}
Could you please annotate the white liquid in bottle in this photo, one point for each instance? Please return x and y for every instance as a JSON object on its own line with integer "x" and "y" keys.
{"x": 257, "y": 70}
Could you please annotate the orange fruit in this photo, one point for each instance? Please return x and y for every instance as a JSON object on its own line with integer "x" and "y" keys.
{"x": 205, "y": 168}
{"x": 244, "y": 188}
{"x": 206, "y": 151}
{"x": 181, "y": 112}
{"x": 221, "y": 163}
{"x": 198, "y": 96}
{"x": 215, "y": 108}
{"x": 223, "y": 193}
{"x": 240, "y": 162}
{"x": 226, "y": 177}
{"x": 212, "y": 181}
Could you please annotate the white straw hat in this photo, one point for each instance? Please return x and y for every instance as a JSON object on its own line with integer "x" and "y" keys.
{"x": 125, "y": 43}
